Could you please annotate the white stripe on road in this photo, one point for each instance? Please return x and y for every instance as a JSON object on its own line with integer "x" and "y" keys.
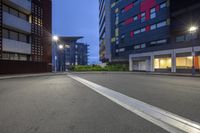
{"x": 164, "y": 119}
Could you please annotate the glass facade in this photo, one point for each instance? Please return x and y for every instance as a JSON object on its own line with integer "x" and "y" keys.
{"x": 184, "y": 62}
{"x": 162, "y": 63}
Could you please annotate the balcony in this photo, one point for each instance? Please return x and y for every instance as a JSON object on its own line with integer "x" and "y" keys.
{"x": 21, "y": 5}
{"x": 16, "y": 46}
{"x": 16, "y": 23}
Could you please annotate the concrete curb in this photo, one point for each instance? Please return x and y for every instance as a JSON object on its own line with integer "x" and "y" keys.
{"x": 140, "y": 73}
{"x": 30, "y": 75}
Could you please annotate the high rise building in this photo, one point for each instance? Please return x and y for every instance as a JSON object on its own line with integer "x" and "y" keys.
{"x": 104, "y": 30}
{"x": 25, "y": 36}
{"x": 156, "y": 35}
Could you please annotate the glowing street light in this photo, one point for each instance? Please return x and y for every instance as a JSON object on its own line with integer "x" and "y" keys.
{"x": 61, "y": 46}
{"x": 193, "y": 29}
{"x": 55, "y": 38}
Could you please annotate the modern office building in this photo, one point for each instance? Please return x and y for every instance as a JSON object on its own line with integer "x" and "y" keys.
{"x": 25, "y": 36}
{"x": 104, "y": 30}
{"x": 153, "y": 35}
{"x": 71, "y": 54}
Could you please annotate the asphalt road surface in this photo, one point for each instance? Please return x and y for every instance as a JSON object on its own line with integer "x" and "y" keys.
{"x": 59, "y": 104}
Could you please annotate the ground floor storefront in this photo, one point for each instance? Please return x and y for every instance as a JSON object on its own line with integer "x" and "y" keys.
{"x": 175, "y": 60}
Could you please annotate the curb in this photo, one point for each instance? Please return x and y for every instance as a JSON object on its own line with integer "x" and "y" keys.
{"x": 30, "y": 75}
{"x": 140, "y": 73}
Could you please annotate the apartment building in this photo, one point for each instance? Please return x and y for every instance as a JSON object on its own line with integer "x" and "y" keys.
{"x": 104, "y": 30}
{"x": 71, "y": 53}
{"x": 25, "y": 36}
{"x": 153, "y": 35}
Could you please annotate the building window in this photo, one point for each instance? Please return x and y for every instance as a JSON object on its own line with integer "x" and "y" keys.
{"x": 15, "y": 12}
{"x": 143, "y": 17}
{"x": 23, "y": 57}
{"x": 153, "y": 13}
{"x": 143, "y": 45}
{"x": 162, "y": 41}
{"x": 161, "y": 24}
{"x": 159, "y": 42}
{"x": 5, "y": 56}
{"x": 180, "y": 38}
{"x": 5, "y": 8}
{"x": 13, "y": 35}
{"x": 143, "y": 30}
{"x": 136, "y": 32}
{"x": 22, "y": 16}
{"x": 5, "y": 33}
{"x": 153, "y": 27}
{"x": 184, "y": 62}
{"x": 22, "y": 38}
{"x": 163, "y": 5}
{"x": 137, "y": 47}
{"x": 122, "y": 38}
{"x": 121, "y": 49}
{"x": 162, "y": 63}
{"x": 135, "y": 18}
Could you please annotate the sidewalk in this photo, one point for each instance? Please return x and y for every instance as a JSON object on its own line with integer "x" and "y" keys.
{"x": 30, "y": 75}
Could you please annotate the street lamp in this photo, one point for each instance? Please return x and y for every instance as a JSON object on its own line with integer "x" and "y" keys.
{"x": 61, "y": 46}
{"x": 62, "y": 56}
{"x": 192, "y": 30}
{"x": 55, "y": 39}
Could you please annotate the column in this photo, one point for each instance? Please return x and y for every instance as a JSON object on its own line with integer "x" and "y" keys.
{"x": 152, "y": 63}
{"x": 173, "y": 56}
{"x": 130, "y": 64}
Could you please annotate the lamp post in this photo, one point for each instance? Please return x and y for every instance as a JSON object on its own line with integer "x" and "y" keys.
{"x": 61, "y": 48}
{"x": 55, "y": 39}
{"x": 192, "y": 30}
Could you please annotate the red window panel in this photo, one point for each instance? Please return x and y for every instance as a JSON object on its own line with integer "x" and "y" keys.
{"x": 147, "y": 15}
{"x": 148, "y": 28}
{"x": 139, "y": 16}
{"x": 146, "y": 5}
{"x": 157, "y": 7}
{"x": 129, "y": 7}
{"x": 128, "y": 21}
{"x": 132, "y": 34}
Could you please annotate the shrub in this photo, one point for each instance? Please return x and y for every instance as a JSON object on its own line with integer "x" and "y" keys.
{"x": 115, "y": 67}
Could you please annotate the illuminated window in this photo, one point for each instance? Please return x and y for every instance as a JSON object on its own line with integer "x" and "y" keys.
{"x": 163, "y": 5}
{"x": 153, "y": 13}
{"x": 162, "y": 63}
{"x": 143, "y": 17}
{"x": 184, "y": 62}
{"x": 135, "y": 18}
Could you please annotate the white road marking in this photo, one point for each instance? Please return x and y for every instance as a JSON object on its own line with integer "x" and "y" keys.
{"x": 164, "y": 119}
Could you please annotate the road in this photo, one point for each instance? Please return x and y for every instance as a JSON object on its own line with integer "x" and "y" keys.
{"x": 60, "y": 104}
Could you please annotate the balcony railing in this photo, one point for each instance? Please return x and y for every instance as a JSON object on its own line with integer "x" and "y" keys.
{"x": 22, "y": 5}
{"x": 16, "y": 23}
{"x": 16, "y": 46}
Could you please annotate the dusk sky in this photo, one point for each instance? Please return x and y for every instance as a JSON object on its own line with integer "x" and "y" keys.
{"x": 78, "y": 18}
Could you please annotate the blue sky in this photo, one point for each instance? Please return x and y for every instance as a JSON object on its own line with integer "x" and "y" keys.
{"x": 78, "y": 18}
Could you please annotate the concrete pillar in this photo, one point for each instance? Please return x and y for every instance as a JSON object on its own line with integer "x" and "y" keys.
{"x": 152, "y": 63}
{"x": 130, "y": 64}
{"x": 173, "y": 56}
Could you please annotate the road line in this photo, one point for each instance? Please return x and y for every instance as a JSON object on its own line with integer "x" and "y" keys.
{"x": 164, "y": 119}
